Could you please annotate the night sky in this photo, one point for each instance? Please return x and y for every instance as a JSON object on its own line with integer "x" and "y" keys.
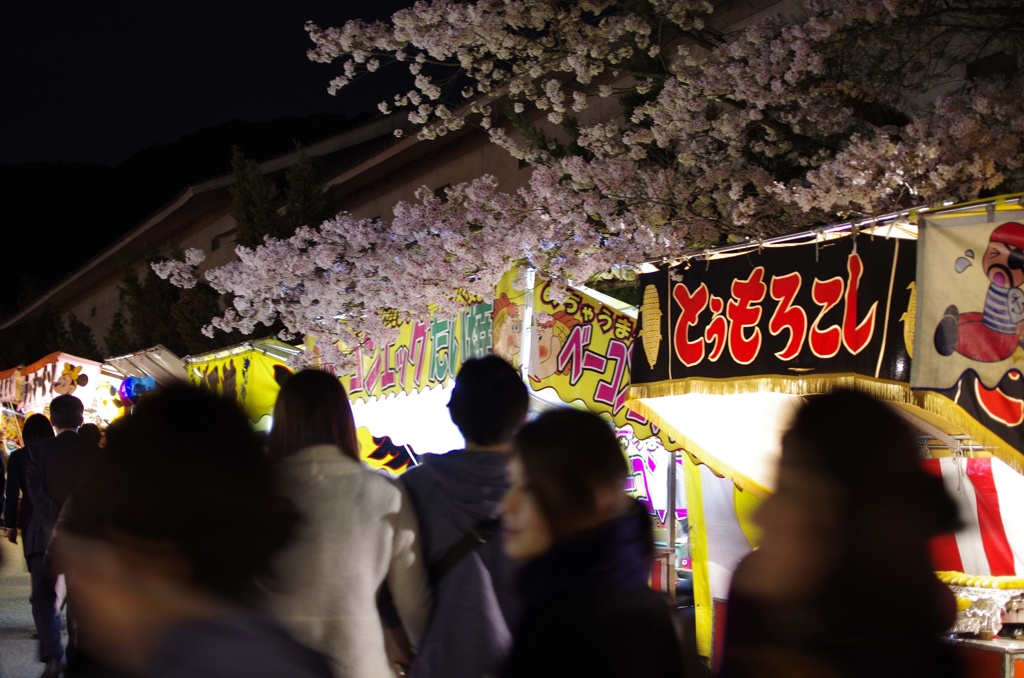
{"x": 96, "y": 81}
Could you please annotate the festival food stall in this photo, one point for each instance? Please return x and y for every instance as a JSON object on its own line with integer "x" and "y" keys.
{"x": 574, "y": 353}
{"x": 251, "y": 374}
{"x": 10, "y": 419}
{"x": 734, "y": 338}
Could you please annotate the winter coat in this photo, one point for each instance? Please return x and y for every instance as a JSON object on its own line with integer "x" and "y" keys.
{"x": 359, "y": 531}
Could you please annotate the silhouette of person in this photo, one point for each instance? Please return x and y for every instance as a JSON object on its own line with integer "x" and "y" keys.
{"x": 168, "y": 546}
{"x": 851, "y": 493}
{"x": 55, "y": 467}
{"x": 457, "y": 498}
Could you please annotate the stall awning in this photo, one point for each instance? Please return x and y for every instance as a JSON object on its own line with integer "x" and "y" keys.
{"x": 157, "y": 362}
{"x": 736, "y": 436}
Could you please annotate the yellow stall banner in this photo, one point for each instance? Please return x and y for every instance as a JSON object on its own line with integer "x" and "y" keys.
{"x": 580, "y": 348}
{"x": 249, "y": 377}
{"x": 425, "y": 355}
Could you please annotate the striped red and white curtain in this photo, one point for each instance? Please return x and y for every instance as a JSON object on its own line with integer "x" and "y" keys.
{"x": 991, "y": 499}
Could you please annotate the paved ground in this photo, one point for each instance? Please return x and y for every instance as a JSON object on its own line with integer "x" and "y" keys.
{"x": 17, "y": 648}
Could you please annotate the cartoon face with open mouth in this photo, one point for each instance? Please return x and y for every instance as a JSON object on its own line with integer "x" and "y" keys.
{"x": 1003, "y": 265}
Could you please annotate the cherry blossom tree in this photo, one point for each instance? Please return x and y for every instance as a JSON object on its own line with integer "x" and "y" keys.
{"x": 653, "y": 126}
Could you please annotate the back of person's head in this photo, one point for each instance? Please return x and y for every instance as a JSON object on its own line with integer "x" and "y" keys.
{"x": 573, "y": 463}
{"x": 186, "y": 472}
{"x": 37, "y": 427}
{"x": 870, "y": 454}
{"x": 489, "y": 401}
{"x": 90, "y": 434}
{"x": 66, "y": 411}
{"x": 312, "y": 409}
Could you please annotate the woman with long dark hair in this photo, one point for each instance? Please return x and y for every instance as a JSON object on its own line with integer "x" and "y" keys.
{"x": 18, "y": 513}
{"x": 360, "y": 532}
{"x": 588, "y": 550}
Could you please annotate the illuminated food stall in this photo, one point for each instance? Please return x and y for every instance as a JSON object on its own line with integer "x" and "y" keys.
{"x": 734, "y": 338}
{"x": 572, "y": 353}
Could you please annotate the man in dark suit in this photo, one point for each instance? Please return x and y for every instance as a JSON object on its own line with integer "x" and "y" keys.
{"x": 55, "y": 467}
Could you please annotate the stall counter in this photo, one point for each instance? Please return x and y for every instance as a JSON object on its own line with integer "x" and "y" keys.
{"x": 996, "y": 658}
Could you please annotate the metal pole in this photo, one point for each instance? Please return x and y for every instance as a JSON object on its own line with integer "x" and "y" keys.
{"x": 670, "y": 517}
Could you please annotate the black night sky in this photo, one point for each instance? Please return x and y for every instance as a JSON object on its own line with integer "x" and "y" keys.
{"x": 96, "y": 81}
{"x": 87, "y": 86}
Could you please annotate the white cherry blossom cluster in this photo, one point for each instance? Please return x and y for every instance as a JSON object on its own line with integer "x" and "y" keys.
{"x": 751, "y": 120}
{"x": 825, "y": 112}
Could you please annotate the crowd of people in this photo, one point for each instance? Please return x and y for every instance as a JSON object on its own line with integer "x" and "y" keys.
{"x": 190, "y": 546}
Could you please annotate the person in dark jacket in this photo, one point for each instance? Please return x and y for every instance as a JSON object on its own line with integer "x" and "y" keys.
{"x": 588, "y": 550}
{"x": 54, "y": 469}
{"x": 475, "y": 607}
{"x": 800, "y": 605}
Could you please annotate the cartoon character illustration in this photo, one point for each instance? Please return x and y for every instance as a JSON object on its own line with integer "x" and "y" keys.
{"x": 551, "y": 332}
{"x": 70, "y": 379}
{"x": 508, "y": 327}
{"x": 993, "y": 334}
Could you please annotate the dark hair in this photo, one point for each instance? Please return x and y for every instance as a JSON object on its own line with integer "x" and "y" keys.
{"x": 568, "y": 456}
{"x": 312, "y": 409}
{"x": 66, "y": 411}
{"x": 489, "y": 401}
{"x": 871, "y": 453}
{"x": 90, "y": 434}
{"x": 186, "y": 468}
{"x": 37, "y": 427}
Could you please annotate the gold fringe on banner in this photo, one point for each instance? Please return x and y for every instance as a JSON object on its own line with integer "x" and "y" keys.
{"x": 892, "y": 391}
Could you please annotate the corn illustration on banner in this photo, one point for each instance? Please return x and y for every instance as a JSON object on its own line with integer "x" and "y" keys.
{"x": 581, "y": 349}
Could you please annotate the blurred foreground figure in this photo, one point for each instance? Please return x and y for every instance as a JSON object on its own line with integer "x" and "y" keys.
{"x": 588, "y": 549}
{"x": 359, "y": 532}
{"x": 842, "y": 584}
{"x": 167, "y": 542}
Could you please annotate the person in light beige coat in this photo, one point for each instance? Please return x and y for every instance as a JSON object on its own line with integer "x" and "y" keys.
{"x": 360, "y": 532}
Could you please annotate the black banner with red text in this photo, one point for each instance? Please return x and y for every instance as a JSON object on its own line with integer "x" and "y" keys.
{"x": 845, "y": 306}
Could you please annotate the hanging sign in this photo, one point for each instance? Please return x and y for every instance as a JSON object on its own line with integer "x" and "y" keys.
{"x": 844, "y": 306}
{"x": 971, "y": 320}
{"x": 58, "y": 374}
{"x": 10, "y": 385}
{"x": 248, "y": 377}
{"x": 425, "y": 355}
{"x": 580, "y": 348}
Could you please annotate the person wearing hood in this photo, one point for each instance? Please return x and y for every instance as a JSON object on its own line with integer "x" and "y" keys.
{"x": 457, "y": 497}
{"x": 587, "y": 549}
